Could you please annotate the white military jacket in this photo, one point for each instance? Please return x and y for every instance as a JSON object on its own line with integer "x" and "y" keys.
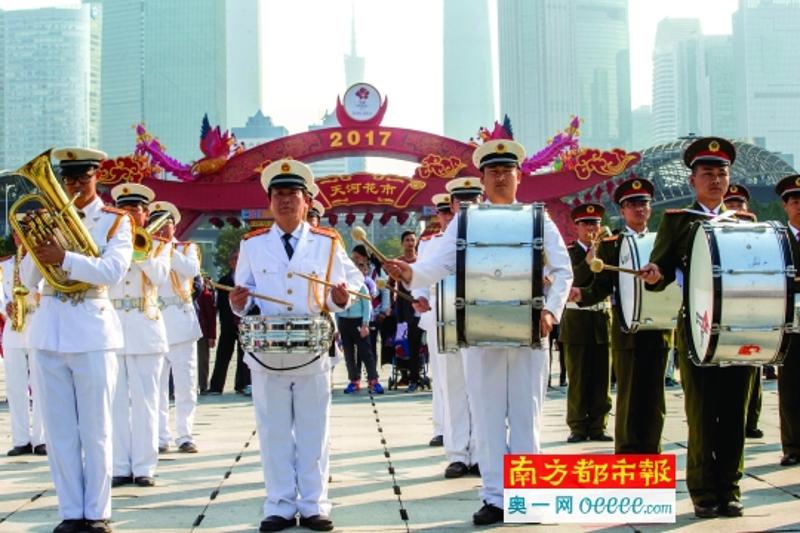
{"x": 11, "y": 338}
{"x": 427, "y": 320}
{"x": 65, "y": 325}
{"x": 441, "y": 261}
{"x": 175, "y": 294}
{"x": 265, "y": 268}
{"x": 135, "y": 300}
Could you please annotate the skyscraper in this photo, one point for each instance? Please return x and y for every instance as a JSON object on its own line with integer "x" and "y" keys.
{"x": 603, "y": 72}
{"x": 765, "y": 37}
{"x": 538, "y": 85}
{"x": 717, "y": 86}
{"x": 163, "y": 63}
{"x": 46, "y": 95}
{"x": 468, "y": 88}
{"x": 243, "y": 60}
{"x": 353, "y": 63}
{"x": 669, "y": 34}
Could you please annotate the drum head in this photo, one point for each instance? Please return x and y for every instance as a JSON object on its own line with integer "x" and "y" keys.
{"x": 699, "y": 287}
{"x": 628, "y": 286}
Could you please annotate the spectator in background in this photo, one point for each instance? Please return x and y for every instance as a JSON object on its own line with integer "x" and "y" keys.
{"x": 228, "y": 338}
{"x": 206, "y": 311}
{"x": 381, "y": 298}
{"x": 405, "y": 313}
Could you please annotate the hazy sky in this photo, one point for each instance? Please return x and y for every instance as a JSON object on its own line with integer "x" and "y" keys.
{"x": 305, "y": 41}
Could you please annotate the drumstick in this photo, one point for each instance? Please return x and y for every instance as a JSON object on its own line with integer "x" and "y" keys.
{"x": 597, "y": 265}
{"x": 360, "y": 234}
{"x": 228, "y": 288}
{"x": 332, "y": 285}
{"x": 381, "y": 284}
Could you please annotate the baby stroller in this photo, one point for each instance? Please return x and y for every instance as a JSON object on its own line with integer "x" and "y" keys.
{"x": 401, "y": 360}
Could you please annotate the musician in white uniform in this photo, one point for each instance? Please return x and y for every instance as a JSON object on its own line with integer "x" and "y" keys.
{"x": 73, "y": 339}
{"x": 135, "y": 300}
{"x": 510, "y": 382}
{"x": 27, "y": 428}
{"x": 292, "y": 405}
{"x": 183, "y": 330}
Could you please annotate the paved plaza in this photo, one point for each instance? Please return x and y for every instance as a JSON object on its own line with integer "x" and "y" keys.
{"x": 385, "y": 476}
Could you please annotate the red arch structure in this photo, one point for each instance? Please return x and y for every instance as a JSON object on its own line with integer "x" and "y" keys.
{"x": 235, "y": 186}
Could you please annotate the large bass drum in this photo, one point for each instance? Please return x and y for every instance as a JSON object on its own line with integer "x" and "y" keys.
{"x": 638, "y": 308}
{"x": 495, "y": 297}
{"x": 285, "y": 342}
{"x": 738, "y": 293}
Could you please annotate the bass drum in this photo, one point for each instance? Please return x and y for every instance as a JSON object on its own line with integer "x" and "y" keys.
{"x": 738, "y": 293}
{"x": 639, "y": 308}
{"x": 496, "y": 296}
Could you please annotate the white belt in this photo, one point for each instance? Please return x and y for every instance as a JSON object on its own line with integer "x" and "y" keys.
{"x": 95, "y": 293}
{"x": 602, "y": 306}
{"x": 166, "y": 301}
{"x": 128, "y": 304}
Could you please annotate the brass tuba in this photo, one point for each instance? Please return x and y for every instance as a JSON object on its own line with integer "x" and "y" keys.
{"x": 56, "y": 220}
{"x": 143, "y": 237}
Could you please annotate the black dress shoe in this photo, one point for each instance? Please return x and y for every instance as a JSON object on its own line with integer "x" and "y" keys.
{"x": 705, "y": 511}
{"x": 731, "y": 508}
{"x": 790, "y": 459}
{"x": 753, "y": 433}
{"x": 118, "y": 481}
{"x": 188, "y": 447}
{"x": 20, "y": 450}
{"x": 562, "y": 383}
{"x": 70, "y": 526}
{"x": 456, "y": 469}
{"x": 317, "y": 522}
{"x": 601, "y": 437}
{"x": 144, "y": 481}
{"x": 475, "y": 470}
{"x": 488, "y": 514}
{"x": 576, "y": 437}
{"x": 40, "y": 449}
{"x": 277, "y": 523}
{"x": 438, "y": 440}
{"x": 98, "y": 526}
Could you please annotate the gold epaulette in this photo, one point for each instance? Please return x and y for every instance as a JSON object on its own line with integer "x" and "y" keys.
{"x": 673, "y": 211}
{"x": 115, "y": 210}
{"x": 328, "y": 232}
{"x": 612, "y": 238}
{"x": 159, "y": 238}
{"x": 429, "y": 236}
{"x": 120, "y": 214}
{"x": 255, "y": 233}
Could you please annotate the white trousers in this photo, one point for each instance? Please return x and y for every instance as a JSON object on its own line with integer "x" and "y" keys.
{"x": 438, "y": 385}
{"x": 182, "y": 360}
{"x": 292, "y": 420}
{"x": 26, "y": 421}
{"x": 508, "y": 387}
{"x": 76, "y": 391}
{"x": 459, "y": 436}
{"x": 136, "y": 415}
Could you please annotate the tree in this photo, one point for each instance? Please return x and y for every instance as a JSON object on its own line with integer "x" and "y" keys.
{"x": 227, "y": 240}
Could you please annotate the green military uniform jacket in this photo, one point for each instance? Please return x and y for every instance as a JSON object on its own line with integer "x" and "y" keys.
{"x": 577, "y": 326}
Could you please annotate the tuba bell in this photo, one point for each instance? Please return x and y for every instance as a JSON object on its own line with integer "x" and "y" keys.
{"x": 55, "y": 220}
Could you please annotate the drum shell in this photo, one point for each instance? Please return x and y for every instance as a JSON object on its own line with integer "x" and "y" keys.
{"x": 447, "y": 337}
{"x": 285, "y": 342}
{"x": 738, "y": 294}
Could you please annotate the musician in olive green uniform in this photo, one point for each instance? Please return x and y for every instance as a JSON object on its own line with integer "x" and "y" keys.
{"x": 584, "y": 334}
{"x": 737, "y": 198}
{"x": 715, "y": 398}
{"x": 640, "y": 359}
{"x": 789, "y": 374}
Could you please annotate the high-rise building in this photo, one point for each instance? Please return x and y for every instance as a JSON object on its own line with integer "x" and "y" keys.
{"x": 329, "y": 167}
{"x": 353, "y": 63}
{"x": 642, "y": 126}
{"x": 717, "y": 86}
{"x": 243, "y": 60}
{"x": 47, "y": 82}
{"x": 2, "y": 90}
{"x": 537, "y": 64}
{"x": 164, "y": 64}
{"x": 468, "y": 87}
{"x": 670, "y": 33}
{"x": 258, "y": 130}
{"x": 603, "y": 72}
{"x": 95, "y": 68}
{"x": 765, "y": 37}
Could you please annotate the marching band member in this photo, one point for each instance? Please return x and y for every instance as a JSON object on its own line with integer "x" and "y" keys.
{"x": 789, "y": 375}
{"x": 73, "y": 338}
{"x": 510, "y": 382}
{"x": 315, "y": 213}
{"x": 715, "y": 397}
{"x": 27, "y": 427}
{"x": 584, "y": 336}
{"x": 292, "y": 405}
{"x": 737, "y": 198}
{"x": 183, "y": 330}
{"x": 640, "y": 359}
{"x": 140, "y": 360}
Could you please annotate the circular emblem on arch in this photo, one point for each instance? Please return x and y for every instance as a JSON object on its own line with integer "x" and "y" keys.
{"x": 713, "y": 146}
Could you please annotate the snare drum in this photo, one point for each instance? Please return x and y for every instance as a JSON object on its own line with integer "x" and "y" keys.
{"x": 738, "y": 293}
{"x": 496, "y": 296}
{"x": 285, "y": 342}
{"x": 638, "y": 308}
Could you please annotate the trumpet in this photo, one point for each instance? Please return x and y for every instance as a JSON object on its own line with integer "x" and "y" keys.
{"x": 56, "y": 221}
{"x": 143, "y": 237}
